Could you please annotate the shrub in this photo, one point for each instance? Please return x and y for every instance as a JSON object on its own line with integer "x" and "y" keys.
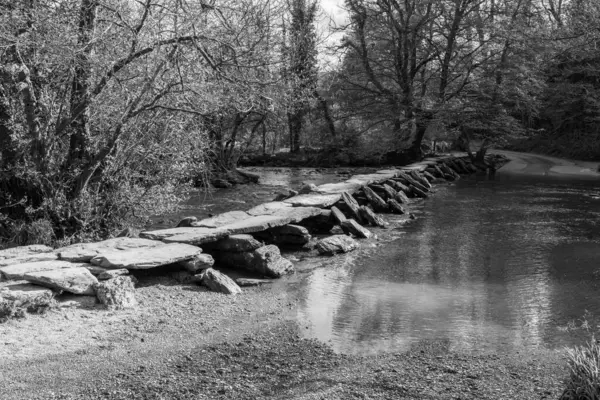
{"x": 584, "y": 372}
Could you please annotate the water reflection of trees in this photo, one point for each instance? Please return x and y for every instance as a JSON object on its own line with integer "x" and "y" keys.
{"x": 475, "y": 269}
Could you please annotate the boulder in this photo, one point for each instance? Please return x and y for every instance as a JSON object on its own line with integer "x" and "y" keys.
{"x": 401, "y": 197}
{"x": 23, "y": 293}
{"x": 350, "y": 226}
{"x": 187, "y": 222}
{"x": 319, "y": 223}
{"x": 396, "y": 207}
{"x": 372, "y": 218}
{"x": 219, "y": 282}
{"x": 112, "y": 273}
{"x": 352, "y": 205}
{"x": 377, "y": 202}
{"x": 309, "y": 188}
{"x": 76, "y": 280}
{"x": 84, "y": 252}
{"x": 337, "y": 216}
{"x": 418, "y": 191}
{"x": 389, "y": 191}
{"x": 285, "y": 195}
{"x": 429, "y": 176}
{"x": 420, "y": 179}
{"x": 252, "y": 282}
{"x": 18, "y": 271}
{"x": 336, "y": 244}
{"x": 398, "y": 186}
{"x": 285, "y": 235}
{"x": 314, "y": 200}
{"x": 198, "y": 263}
{"x": 237, "y": 244}
{"x": 266, "y": 261}
{"x": 117, "y": 293}
{"x": 15, "y": 252}
{"x": 147, "y": 258}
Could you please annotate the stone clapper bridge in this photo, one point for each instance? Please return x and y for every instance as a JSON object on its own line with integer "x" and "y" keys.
{"x": 235, "y": 239}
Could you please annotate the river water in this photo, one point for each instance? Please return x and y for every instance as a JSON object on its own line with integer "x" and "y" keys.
{"x": 487, "y": 266}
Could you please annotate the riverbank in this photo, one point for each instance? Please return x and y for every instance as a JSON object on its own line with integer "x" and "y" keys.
{"x": 186, "y": 342}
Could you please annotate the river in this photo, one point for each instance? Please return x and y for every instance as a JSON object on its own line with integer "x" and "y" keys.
{"x": 488, "y": 265}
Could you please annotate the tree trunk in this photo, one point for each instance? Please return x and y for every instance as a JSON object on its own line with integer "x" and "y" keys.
{"x": 295, "y": 125}
{"x": 80, "y": 85}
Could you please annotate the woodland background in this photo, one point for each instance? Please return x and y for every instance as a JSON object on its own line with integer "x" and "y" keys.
{"x": 109, "y": 109}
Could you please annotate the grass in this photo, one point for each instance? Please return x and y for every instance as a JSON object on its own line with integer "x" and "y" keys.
{"x": 584, "y": 372}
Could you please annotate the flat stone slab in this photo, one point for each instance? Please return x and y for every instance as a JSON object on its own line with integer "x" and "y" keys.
{"x": 77, "y": 280}
{"x": 314, "y": 200}
{"x": 256, "y": 224}
{"x": 350, "y": 186}
{"x": 367, "y": 179}
{"x": 28, "y": 258}
{"x": 18, "y": 271}
{"x": 21, "y": 251}
{"x": 23, "y": 292}
{"x": 193, "y": 236}
{"x": 269, "y": 208}
{"x": 221, "y": 219}
{"x": 87, "y": 251}
{"x": 147, "y": 258}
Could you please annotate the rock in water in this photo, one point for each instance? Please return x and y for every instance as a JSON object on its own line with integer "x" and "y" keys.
{"x": 337, "y": 215}
{"x": 294, "y": 235}
{"x": 147, "y": 258}
{"x": 309, "y": 188}
{"x": 76, "y": 280}
{"x": 372, "y": 218}
{"x": 396, "y": 207}
{"x": 198, "y": 263}
{"x": 252, "y": 282}
{"x": 353, "y": 206}
{"x": 336, "y": 244}
{"x": 353, "y": 227}
{"x": 219, "y": 282}
{"x": 266, "y": 261}
{"x": 117, "y": 293}
{"x": 374, "y": 199}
